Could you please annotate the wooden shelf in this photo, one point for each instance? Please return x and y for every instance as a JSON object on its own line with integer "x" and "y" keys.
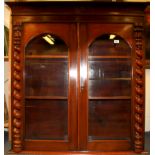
{"x": 47, "y": 97}
{"x": 110, "y": 98}
{"x": 113, "y": 79}
{"x": 45, "y": 56}
{"x": 107, "y": 57}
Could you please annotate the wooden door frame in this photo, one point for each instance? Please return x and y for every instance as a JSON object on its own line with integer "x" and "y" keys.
{"x": 19, "y": 143}
{"x": 83, "y": 93}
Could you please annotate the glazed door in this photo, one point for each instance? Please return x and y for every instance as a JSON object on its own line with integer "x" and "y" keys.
{"x": 105, "y": 107}
{"x": 50, "y": 86}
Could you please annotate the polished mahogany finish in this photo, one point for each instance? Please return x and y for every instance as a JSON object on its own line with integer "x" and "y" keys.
{"x": 77, "y": 77}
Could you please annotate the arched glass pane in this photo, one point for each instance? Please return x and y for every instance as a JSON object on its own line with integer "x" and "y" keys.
{"x": 46, "y": 88}
{"x": 109, "y": 44}
{"x": 46, "y": 44}
{"x": 109, "y": 88}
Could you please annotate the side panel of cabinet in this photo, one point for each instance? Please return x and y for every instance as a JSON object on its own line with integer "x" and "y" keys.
{"x": 49, "y": 99}
{"x": 106, "y": 86}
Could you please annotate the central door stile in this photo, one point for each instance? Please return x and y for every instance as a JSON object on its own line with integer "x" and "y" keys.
{"x": 83, "y": 93}
{"x": 73, "y": 76}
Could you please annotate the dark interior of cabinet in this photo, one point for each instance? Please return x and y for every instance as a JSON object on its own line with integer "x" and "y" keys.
{"x": 109, "y": 88}
{"x": 46, "y": 77}
{"x": 109, "y": 119}
{"x": 46, "y": 44}
{"x": 46, "y": 119}
{"x": 46, "y": 88}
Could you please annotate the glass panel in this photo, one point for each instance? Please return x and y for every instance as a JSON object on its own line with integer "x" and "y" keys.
{"x": 46, "y": 44}
{"x": 109, "y": 44}
{"x": 46, "y": 88}
{"x": 46, "y": 119}
{"x": 46, "y": 77}
{"x": 109, "y": 119}
{"x": 109, "y": 68}
{"x": 109, "y": 88}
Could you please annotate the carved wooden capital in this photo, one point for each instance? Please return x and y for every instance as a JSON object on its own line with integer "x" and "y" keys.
{"x": 139, "y": 89}
{"x": 16, "y": 89}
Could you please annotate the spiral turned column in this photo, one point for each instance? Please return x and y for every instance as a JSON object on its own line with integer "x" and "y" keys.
{"x": 139, "y": 89}
{"x": 16, "y": 90}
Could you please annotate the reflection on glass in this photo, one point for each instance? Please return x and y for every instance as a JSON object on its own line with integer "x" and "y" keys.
{"x": 46, "y": 88}
{"x": 109, "y": 88}
{"x": 49, "y": 39}
{"x": 112, "y": 36}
